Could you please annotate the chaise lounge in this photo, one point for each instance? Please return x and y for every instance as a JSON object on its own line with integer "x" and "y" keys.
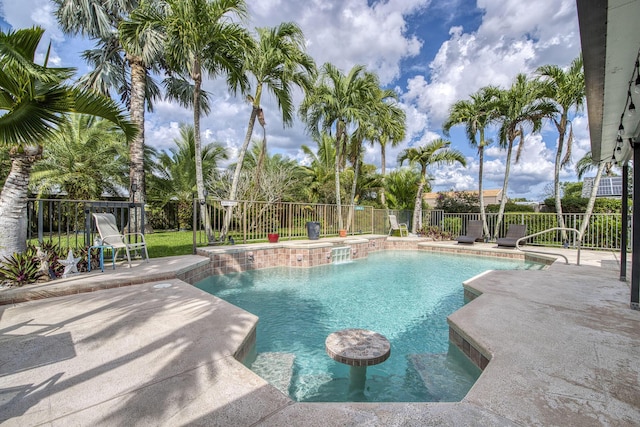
{"x": 474, "y": 233}
{"x": 514, "y": 233}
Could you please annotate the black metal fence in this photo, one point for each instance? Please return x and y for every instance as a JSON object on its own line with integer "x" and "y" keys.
{"x": 68, "y": 223}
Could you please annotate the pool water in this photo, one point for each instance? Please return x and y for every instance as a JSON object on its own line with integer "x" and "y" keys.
{"x": 403, "y": 295}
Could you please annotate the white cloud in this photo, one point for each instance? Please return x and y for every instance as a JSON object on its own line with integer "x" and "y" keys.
{"x": 513, "y": 36}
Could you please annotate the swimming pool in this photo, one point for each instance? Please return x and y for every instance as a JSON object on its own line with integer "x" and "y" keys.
{"x": 404, "y": 295}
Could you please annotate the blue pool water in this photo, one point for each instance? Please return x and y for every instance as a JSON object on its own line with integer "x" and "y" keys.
{"x": 405, "y": 296}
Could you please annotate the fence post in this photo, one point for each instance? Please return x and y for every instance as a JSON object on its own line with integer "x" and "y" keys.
{"x": 40, "y": 221}
{"x": 87, "y": 225}
{"x": 195, "y": 224}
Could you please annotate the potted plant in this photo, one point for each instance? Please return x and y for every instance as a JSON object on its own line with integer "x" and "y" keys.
{"x": 274, "y": 236}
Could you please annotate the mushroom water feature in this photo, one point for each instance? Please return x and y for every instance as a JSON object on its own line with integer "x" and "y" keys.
{"x": 357, "y": 348}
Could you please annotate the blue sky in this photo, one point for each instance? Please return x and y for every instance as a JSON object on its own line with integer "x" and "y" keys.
{"x": 432, "y": 52}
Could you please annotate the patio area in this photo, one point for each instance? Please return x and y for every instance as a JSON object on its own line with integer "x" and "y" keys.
{"x": 562, "y": 344}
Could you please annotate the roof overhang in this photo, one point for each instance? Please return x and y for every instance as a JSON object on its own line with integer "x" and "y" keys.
{"x": 610, "y": 35}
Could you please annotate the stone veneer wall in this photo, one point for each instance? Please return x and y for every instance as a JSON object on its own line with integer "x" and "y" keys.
{"x": 252, "y": 257}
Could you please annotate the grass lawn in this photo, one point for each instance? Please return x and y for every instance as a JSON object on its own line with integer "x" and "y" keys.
{"x": 169, "y": 243}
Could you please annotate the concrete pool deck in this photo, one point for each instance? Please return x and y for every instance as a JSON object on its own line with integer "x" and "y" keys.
{"x": 563, "y": 345}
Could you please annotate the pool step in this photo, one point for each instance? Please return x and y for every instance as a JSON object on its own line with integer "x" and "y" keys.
{"x": 446, "y": 378}
{"x": 275, "y": 368}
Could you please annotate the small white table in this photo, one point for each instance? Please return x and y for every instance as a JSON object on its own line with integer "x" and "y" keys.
{"x": 101, "y": 248}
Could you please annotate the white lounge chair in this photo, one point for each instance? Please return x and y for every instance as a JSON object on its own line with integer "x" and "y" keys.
{"x": 108, "y": 230}
{"x": 402, "y": 227}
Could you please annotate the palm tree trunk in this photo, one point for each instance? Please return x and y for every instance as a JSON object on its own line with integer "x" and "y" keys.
{"x": 136, "y": 147}
{"x": 417, "y": 208}
{"x": 356, "y": 170}
{"x": 197, "y": 80}
{"x": 337, "y": 177}
{"x": 13, "y": 205}
{"x": 505, "y": 185}
{"x": 383, "y": 169}
{"x": 483, "y": 215}
{"x": 562, "y": 126}
{"x": 592, "y": 201}
{"x": 236, "y": 174}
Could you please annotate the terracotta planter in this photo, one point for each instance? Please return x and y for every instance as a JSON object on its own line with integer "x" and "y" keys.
{"x": 343, "y": 233}
{"x": 273, "y": 237}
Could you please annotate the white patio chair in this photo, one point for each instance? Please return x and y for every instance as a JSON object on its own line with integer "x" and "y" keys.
{"x": 108, "y": 230}
{"x": 393, "y": 221}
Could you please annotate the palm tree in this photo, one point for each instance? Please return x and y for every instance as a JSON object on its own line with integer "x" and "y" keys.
{"x": 520, "y": 107}
{"x": 201, "y": 37}
{"x": 277, "y": 61}
{"x": 402, "y": 186}
{"x": 566, "y": 89}
{"x": 391, "y": 124}
{"x": 35, "y": 99}
{"x": 178, "y": 173}
{"x": 86, "y": 158}
{"x": 319, "y": 175}
{"x": 436, "y": 152}
{"x": 119, "y": 64}
{"x": 476, "y": 114}
{"x": 333, "y": 104}
{"x": 584, "y": 165}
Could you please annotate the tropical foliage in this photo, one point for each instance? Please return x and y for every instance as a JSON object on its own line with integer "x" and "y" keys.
{"x": 565, "y": 89}
{"x": 278, "y": 62}
{"x": 85, "y": 160}
{"x": 476, "y": 114}
{"x": 34, "y": 103}
{"x": 436, "y": 152}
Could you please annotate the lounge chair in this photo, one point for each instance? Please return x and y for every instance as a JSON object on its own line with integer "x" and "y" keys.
{"x": 110, "y": 236}
{"x": 395, "y": 226}
{"x": 515, "y": 232}
{"x": 474, "y": 233}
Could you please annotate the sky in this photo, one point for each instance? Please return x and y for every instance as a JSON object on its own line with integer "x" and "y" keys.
{"x": 431, "y": 52}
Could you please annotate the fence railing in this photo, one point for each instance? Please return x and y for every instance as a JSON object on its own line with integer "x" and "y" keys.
{"x": 68, "y": 222}
{"x": 253, "y": 221}
{"x": 603, "y": 232}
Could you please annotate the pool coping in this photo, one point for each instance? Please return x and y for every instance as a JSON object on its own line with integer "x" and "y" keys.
{"x": 482, "y": 405}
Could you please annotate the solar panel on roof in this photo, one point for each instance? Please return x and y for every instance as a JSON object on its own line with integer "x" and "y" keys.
{"x": 610, "y": 186}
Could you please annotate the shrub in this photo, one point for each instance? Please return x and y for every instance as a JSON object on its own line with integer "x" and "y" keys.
{"x": 21, "y": 268}
{"x": 436, "y": 233}
{"x": 452, "y": 225}
{"x": 458, "y": 202}
{"x": 510, "y": 207}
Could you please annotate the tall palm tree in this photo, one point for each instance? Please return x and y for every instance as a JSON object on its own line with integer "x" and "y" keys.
{"x": 203, "y": 37}
{"x": 566, "y": 89}
{"x": 86, "y": 158}
{"x": 34, "y": 100}
{"x": 391, "y": 123}
{"x": 520, "y": 108}
{"x": 584, "y": 165}
{"x": 477, "y": 114}
{"x": 277, "y": 61}
{"x": 388, "y": 123}
{"x": 118, "y": 65}
{"x": 332, "y": 105}
{"x": 436, "y": 152}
